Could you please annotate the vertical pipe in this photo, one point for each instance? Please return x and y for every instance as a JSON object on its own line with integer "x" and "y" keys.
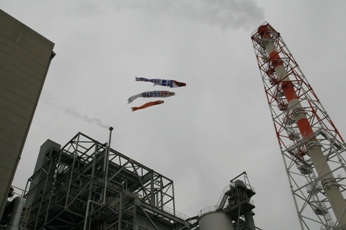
{"x": 106, "y": 164}
{"x": 120, "y": 208}
{"x": 161, "y": 194}
{"x": 87, "y": 213}
{"x": 173, "y": 198}
{"x": 92, "y": 177}
{"x": 105, "y": 159}
{"x": 152, "y": 191}
{"x": 315, "y": 152}
{"x": 134, "y": 219}
{"x": 16, "y": 213}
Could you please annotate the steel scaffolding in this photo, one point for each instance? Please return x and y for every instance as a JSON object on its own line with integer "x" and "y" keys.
{"x": 87, "y": 185}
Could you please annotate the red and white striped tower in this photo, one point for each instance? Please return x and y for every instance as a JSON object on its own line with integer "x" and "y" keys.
{"x": 311, "y": 146}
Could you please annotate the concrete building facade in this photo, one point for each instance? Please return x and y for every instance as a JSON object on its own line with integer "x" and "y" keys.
{"x": 25, "y": 57}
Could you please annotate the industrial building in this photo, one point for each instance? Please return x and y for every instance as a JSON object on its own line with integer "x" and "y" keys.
{"x": 88, "y": 185}
{"x": 25, "y": 57}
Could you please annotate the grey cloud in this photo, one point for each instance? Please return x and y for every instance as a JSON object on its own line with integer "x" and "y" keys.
{"x": 233, "y": 14}
{"x": 228, "y": 14}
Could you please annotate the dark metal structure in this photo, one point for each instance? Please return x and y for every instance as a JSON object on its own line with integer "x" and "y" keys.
{"x": 239, "y": 204}
{"x": 88, "y": 185}
{"x": 236, "y": 203}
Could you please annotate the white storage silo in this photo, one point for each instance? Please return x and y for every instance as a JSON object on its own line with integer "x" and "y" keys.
{"x": 215, "y": 220}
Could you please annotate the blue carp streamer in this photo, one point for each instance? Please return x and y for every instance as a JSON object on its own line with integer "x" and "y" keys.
{"x": 162, "y": 82}
{"x": 151, "y": 94}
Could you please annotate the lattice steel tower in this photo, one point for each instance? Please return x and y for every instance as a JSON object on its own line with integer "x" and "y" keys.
{"x": 311, "y": 146}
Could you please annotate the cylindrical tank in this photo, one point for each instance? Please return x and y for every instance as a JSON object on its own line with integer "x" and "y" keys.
{"x": 215, "y": 220}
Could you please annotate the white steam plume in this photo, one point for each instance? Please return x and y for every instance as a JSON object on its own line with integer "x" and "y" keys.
{"x": 49, "y": 100}
{"x": 86, "y": 118}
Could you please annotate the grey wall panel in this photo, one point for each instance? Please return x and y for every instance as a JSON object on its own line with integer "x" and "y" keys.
{"x": 6, "y": 83}
{"x": 25, "y": 57}
{"x": 17, "y": 98}
{"x": 8, "y": 70}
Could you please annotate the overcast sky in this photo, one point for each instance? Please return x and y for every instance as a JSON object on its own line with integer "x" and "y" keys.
{"x": 216, "y": 127}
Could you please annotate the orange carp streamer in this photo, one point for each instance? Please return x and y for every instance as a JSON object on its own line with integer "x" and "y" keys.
{"x": 147, "y": 105}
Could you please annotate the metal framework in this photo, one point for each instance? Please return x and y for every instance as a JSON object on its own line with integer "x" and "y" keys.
{"x": 236, "y": 202}
{"x": 239, "y": 204}
{"x": 313, "y": 150}
{"x": 87, "y": 185}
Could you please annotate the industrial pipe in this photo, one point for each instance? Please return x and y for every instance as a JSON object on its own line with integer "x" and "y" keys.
{"x": 16, "y": 213}
{"x": 106, "y": 165}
